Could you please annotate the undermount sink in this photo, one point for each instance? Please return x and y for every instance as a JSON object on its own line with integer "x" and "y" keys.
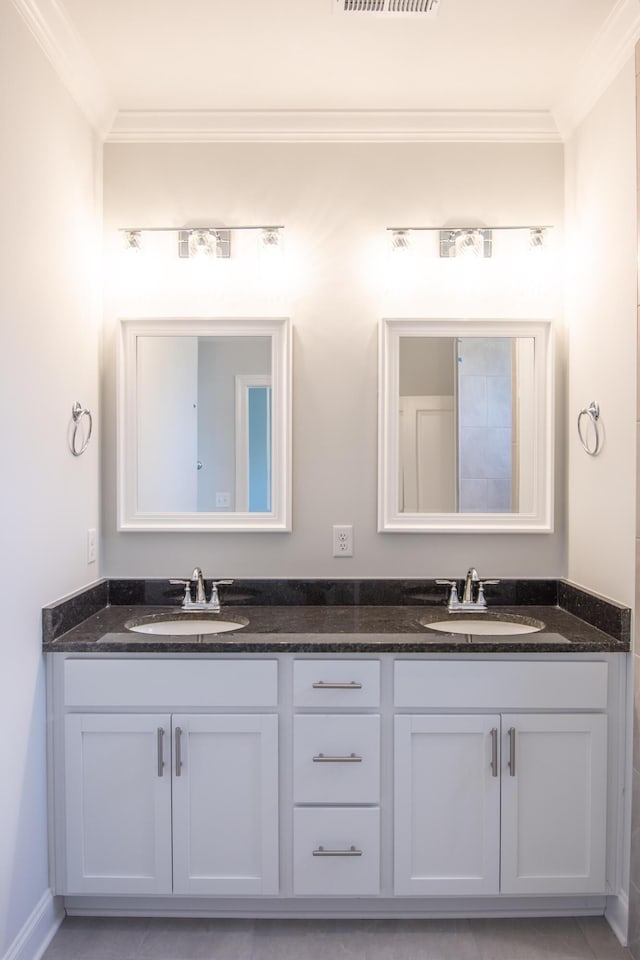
{"x": 185, "y": 625}
{"x": 489, "y": 627}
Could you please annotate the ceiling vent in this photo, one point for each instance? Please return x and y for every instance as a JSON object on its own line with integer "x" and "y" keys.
{"x": 387, "y": 8}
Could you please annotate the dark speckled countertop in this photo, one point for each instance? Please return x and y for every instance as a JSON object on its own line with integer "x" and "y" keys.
{"x": 335, "y": 629}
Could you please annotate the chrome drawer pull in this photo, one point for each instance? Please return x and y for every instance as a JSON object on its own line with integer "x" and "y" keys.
{"x": 178, "y": 751}
{"x": 494, "y": 752}
{"x": 352, "y": 758}
{"x": 512, "y": 751}
{"x": 352, "y": 685}
{"x": 351, "y": 852}
{"x": 160, "y": 752}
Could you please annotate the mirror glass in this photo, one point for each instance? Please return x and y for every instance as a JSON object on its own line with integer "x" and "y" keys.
{"x": 204, "y": 425}
{"x": 465, "y": 426}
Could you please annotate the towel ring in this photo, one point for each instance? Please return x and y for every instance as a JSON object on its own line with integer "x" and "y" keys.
{"x": 78, "y": 412}
{"x": 593, "y": 414}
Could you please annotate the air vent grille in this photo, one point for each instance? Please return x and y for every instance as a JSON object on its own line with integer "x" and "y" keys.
{"x": 387, "y": 8}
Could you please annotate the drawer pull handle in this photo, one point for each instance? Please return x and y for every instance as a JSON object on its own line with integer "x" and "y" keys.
{"x": 494, "y": 752}
{"x": 512, "y": 751}
{"x": 160, "y": 752}
{"x": 178, "y": 751}
{"x": 351, "y": 685}
{"x": 351, "y": 852}
{"x": 352, "y": 758}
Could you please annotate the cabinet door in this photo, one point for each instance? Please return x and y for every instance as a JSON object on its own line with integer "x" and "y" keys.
{"x": 118, "y": 803}
{"x": 447, "y": 805}
{"x": 225, "y": 804}
{"x": 554, "y": 803}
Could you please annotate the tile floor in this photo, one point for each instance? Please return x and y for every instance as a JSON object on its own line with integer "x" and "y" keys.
{"x": 81, "y": 938}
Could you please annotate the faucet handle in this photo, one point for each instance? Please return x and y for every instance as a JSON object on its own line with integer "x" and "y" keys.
{"x": 453, "y": 596}
{"x": 217, "y": 583}
{"x": 187, "y": 589}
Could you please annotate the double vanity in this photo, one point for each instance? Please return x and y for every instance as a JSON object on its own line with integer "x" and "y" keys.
{"x": 336, "y": 758}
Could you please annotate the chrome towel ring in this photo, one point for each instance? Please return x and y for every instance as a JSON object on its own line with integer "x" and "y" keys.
{"x": 592, "y": 412}
{"x": 80, "y": 442}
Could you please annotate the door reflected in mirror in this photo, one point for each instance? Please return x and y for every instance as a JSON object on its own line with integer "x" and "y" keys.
{"x": 470, "y": 399}
{"x": 204, "y": 425}
{"x": 465, "y": 424}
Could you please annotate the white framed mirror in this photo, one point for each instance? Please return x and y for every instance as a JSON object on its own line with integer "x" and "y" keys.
{"x": 465, "y": 423}
{"x": 204, "y": 424}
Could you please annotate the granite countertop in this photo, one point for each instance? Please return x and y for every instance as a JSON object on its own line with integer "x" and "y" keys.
{"x": 335, "y": 629}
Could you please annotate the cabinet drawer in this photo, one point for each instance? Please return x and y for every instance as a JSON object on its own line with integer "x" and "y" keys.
{"x": 336, "y": 683}
{"x": 514, "y": 684}
{"x": 336, "y": 851}
{"x": 143, "y": 683}
{"x": 336, "y": 759}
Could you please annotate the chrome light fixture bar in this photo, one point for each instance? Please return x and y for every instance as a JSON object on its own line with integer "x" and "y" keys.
{"x": 202, "y": 240}
{"x": 461, "y": 241}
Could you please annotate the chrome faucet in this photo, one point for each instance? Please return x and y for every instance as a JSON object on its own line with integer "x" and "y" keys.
{"x": 201, "y": 602}
{"x": 196, "y": 576}
{"x": 467, "y": 604}
{"x": 471, "y": 578}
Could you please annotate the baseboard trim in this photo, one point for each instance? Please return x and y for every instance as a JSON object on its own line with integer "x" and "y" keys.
{"x": 39, "y": 930}
{"x": 617, "y": 916}
{"x": 328, "y": 908}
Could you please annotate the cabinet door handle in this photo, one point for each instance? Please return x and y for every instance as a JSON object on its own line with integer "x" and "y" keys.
{"x": 178, "y": 751}
{"x": 512, "y": 751}
{"x": 160, "y": 751}
{"x": 351, "y": 852}
{"x": 352, "y": 758}
{"x": 494, "y": 752}
{"x": 351, "y": 685}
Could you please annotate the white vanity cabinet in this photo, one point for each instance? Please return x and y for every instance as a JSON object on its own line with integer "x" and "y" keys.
{"x": 180, "y": 802}
{"x": 509, "y": 803}
{"x": 296, "y": 782}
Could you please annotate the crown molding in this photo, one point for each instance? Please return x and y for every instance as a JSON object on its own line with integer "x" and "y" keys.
{"x": 611, "y": 48}
{"x": 332, "y": 126}
{"x": 69, "y": 57}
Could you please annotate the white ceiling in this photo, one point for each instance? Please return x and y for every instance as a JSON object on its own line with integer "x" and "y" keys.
{"x": 300, "y": 55}
{"x": 295, "y": 69}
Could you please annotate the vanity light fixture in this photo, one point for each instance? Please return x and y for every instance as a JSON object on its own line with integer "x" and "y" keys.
{"x": 465, "y": 241}
{"x": 202, "y": 240}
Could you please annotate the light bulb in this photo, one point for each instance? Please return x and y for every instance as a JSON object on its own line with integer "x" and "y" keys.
{"x": 400, "y": 240}
{"x": 202, "y": 243}
{"x": 468, "y": 243}
{"x": 270, "y": 238}
{"x": 537, "y": 238}
{"x": 133, "y": 240}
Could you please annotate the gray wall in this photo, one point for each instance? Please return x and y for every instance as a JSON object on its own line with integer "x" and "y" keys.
{"x": 335, "y": 201}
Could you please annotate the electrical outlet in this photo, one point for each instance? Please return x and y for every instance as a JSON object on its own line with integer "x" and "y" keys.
{"x": 223, "y": 499}
{"x": 343, "y": 540}
{"x": 91, "y": 545}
